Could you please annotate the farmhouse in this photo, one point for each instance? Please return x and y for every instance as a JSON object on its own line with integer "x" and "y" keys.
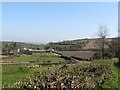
{"x": 37, "y": 52}
{"x": 80, "y": 55}
{"x": 34, "y": 52}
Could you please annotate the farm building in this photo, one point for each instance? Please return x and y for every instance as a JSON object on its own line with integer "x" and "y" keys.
{"x": 37, "y": 52}
{"x": 34, "y": 52}
{"x": 80, "y": 55}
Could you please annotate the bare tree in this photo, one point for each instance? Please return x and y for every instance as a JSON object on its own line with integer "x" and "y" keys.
{"x": 101, "y": 41}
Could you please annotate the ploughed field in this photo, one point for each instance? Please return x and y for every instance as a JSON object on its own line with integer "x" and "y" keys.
{"x": 84, "y": 55}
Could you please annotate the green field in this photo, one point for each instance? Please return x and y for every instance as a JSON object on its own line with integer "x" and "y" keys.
{"x": 36, "y": 58}
{"x": 13, "y": 73}
{"x": 113, "y": 80}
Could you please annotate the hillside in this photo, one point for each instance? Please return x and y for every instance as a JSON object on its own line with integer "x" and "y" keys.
{"x": 68, "y": 45}
{"x": 22, "y": 45}
{"x": 93, "y": 44}
{"x": 71, "y": 45}
{"x": 75, "y": 45}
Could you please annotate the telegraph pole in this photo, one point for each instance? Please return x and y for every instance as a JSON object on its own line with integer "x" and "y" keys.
{"x": 118, "y": 33}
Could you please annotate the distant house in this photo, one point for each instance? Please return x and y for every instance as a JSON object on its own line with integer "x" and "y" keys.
{"x": 12, "y": 51}
{"x": 37, "y": 52}
{"x": 20, "y": 51}
{"x": 50, "y": 49}
{"x": 34, "y": 52}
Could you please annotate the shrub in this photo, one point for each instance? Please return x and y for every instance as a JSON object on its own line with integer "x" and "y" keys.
{"x": 97, "y": 55}
{"x": 23, "y": 69}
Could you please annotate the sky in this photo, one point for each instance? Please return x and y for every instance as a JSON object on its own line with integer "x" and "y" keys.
{"x": 43, "y": 22}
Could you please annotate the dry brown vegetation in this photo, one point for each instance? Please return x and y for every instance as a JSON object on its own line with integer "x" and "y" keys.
{"x": 79, "y": 54}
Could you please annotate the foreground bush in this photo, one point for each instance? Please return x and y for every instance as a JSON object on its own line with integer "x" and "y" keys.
{"x": 88, "y": 75}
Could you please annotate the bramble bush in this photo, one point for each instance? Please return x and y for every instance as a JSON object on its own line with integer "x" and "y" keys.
{"x": 89, "y": 75}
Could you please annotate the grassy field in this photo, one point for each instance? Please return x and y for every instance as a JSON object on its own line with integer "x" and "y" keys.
{"x": 36, "y": 58}
{"x": 13, "y": 73}
{"x": 113, "y": 80}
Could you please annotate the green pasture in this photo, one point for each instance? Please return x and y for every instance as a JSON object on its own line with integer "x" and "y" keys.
{"x": 14, "y": 73}
{"x": 35, "y": 58}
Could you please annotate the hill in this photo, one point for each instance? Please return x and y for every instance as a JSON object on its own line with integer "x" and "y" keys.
{"x": 22, "y": 45}
{"x": 68, "y": 45}
{"x": 76, "y": 45}
{"x": 93, "y": 44}
{"x": 71, "y": 45}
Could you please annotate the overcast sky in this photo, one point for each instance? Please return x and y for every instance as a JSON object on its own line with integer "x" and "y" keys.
{"x": 46, "y": 22}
